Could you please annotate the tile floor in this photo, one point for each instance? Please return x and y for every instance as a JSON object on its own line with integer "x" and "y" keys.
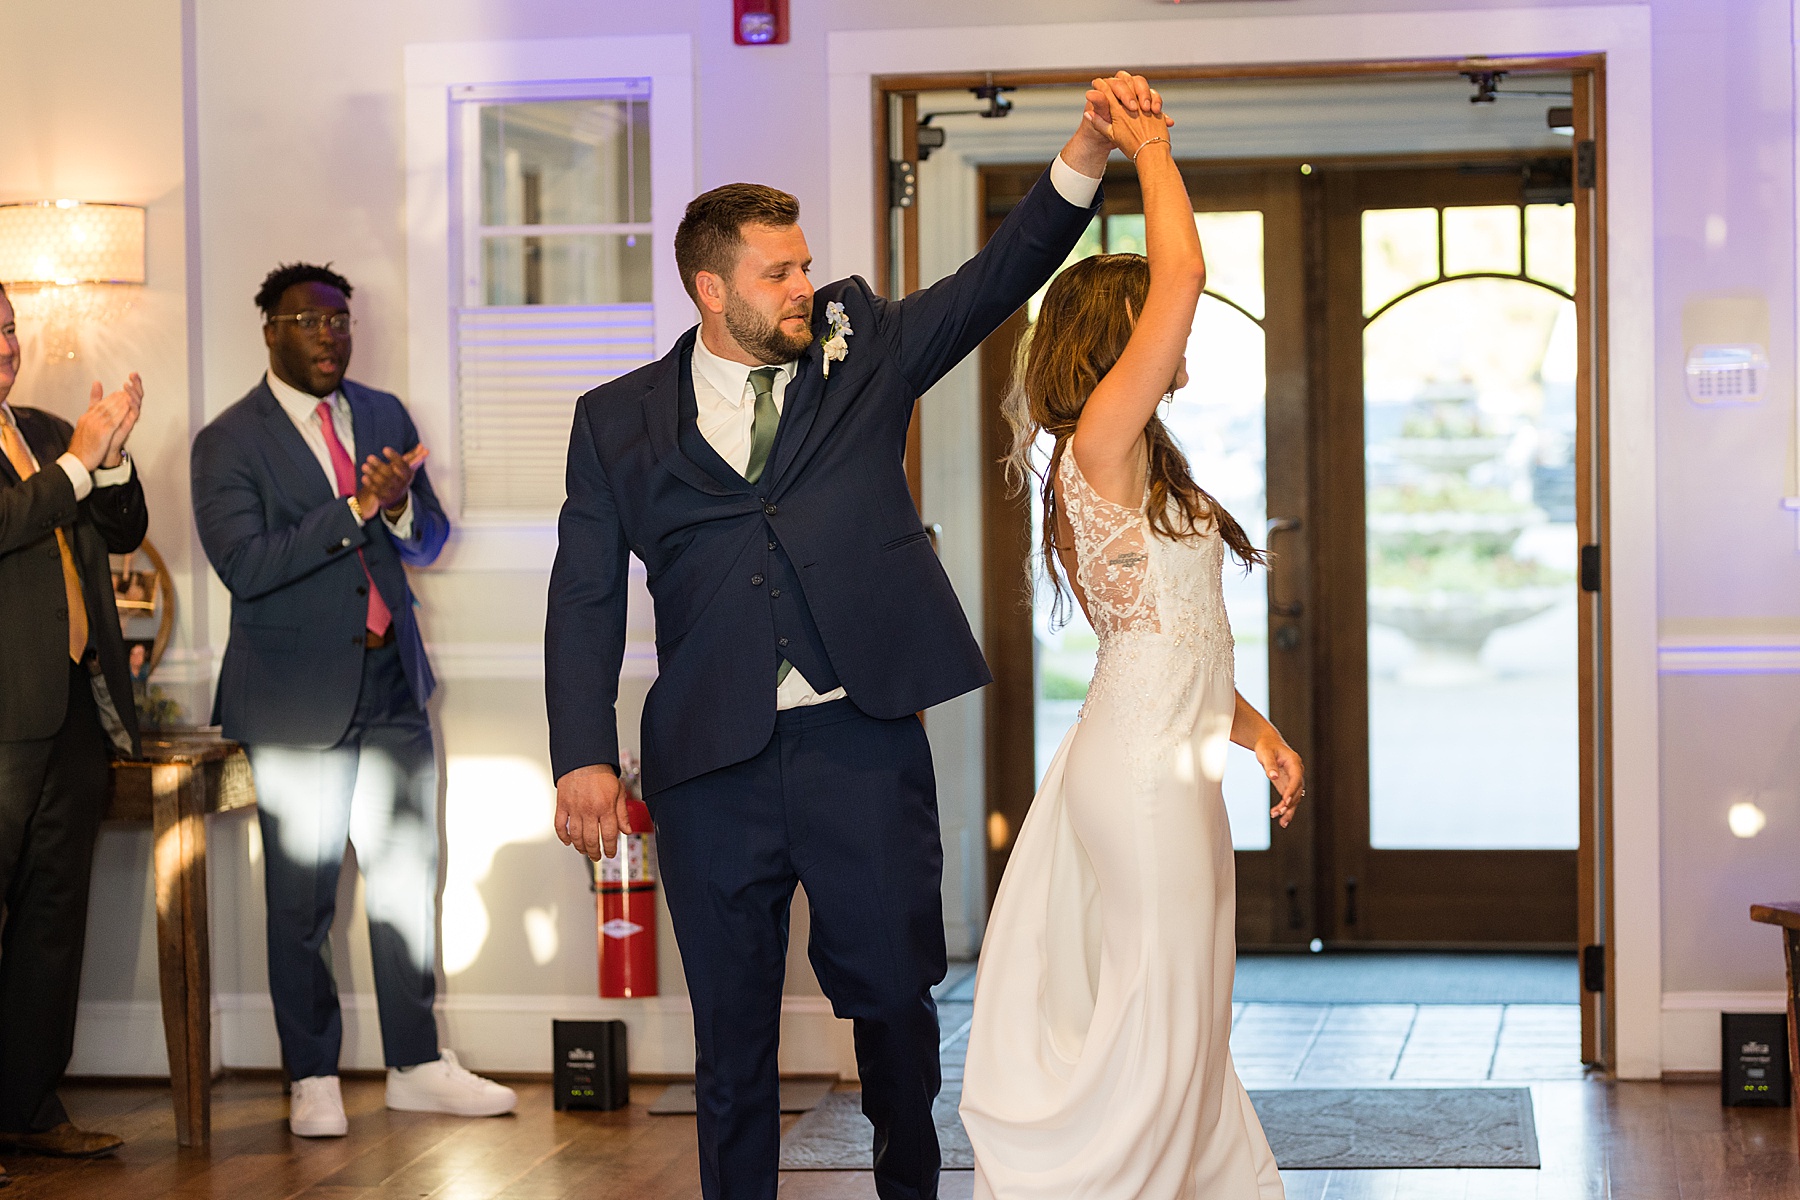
{"x": 1361, "y": 1045}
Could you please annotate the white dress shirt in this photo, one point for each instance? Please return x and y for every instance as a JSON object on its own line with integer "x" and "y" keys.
{"x": 84, "y": 481}
{"x": 303, "y": 411}
{"x": 726, "y": 414}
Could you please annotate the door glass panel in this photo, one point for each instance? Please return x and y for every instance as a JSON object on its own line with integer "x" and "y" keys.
{"x": 1481, "y": 239}
{"x": 1472, "y": 552}
{"x": 1218, "y": 420}
{"x": 565, "y": 162}
{"x": 1399, "y": 251}
{"x": 1550, "y": 244}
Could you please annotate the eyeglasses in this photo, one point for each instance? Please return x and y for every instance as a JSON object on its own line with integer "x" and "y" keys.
{"x": 312, "y": 322}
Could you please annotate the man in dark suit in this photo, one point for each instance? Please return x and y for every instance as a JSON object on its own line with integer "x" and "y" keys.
{"x": 802, "y": 620}
{"x": 68, "y": 496}
{"x": 325, "y": 681}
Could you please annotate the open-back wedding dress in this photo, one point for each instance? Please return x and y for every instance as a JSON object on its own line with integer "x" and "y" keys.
{"x": 1099, "y": 1063}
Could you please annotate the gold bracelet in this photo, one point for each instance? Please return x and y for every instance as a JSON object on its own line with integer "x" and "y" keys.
{"x": 1151, "y": 142}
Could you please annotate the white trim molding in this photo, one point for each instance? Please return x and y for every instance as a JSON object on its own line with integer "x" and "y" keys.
{"x": 488, "y": 1032}
{"x": 1622, "y": 33}
{"x": 1690, "y": 1024}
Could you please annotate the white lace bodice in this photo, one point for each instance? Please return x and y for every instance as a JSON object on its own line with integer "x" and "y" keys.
{"x": 1157, "y": 603}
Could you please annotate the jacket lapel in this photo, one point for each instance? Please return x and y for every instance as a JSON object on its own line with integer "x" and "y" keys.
{"x": 362, "y": 421}
{"x": 663, "y": 402}
{"x": 301, "y": 479}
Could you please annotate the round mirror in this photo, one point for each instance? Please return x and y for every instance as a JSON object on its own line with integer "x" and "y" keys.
{"x": 145, "y": 596}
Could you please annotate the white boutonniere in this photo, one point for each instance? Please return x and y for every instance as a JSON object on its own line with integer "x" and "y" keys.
{"x": 837, "y": 334}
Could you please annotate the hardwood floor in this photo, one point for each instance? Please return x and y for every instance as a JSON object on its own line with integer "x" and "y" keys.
{"x": 1628, "y": 1141}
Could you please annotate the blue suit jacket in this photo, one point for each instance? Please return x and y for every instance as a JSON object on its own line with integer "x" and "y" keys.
{"x": 285, "y": 546}
{"x": 834, "y": 497}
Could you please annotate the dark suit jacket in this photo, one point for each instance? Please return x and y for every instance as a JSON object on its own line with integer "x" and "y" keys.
{"x": 34, "y": 653}
{"x": 285, "y": 546}
{"x": 834, "y": 496}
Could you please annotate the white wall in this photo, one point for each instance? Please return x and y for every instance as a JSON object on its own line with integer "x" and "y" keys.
{"x": 298, "y": 141}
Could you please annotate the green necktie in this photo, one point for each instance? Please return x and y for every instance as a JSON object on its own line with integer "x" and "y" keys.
{"x": 762, "y": 435}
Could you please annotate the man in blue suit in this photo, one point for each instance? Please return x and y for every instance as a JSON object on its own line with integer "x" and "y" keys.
{"x": 325, "y": 681}
{"x": 802, "y": 621}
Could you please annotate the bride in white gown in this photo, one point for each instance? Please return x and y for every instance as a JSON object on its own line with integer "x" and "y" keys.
{"x": 1099, "y": 1063}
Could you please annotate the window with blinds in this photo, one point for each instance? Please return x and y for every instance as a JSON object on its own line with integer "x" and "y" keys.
{"x": 556, "y": 266}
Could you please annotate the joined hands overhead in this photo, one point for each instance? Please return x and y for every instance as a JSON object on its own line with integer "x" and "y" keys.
{"x": 1094, "y": 140}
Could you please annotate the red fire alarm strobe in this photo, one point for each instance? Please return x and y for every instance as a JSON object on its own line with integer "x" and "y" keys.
{"x": 759, "y": 22}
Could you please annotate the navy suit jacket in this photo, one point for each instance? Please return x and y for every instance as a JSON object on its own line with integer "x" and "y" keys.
{"x": 834, "y": 497}
{"x": 285, "y": 545}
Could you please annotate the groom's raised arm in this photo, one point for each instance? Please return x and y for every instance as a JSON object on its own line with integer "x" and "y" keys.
{"x": 933, "y": 329}
{"x": 584, "y": 634}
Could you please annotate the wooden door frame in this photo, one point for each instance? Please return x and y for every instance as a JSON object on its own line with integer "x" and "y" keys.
{"x": 1596, "y": 867}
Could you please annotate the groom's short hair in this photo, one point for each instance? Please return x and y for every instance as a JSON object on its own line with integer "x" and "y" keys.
{"x": 711, "y": 231}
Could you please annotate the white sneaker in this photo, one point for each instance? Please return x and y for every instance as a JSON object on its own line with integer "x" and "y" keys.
{"x": 445, "y": 1087}
{"x": 316, "y": 1107}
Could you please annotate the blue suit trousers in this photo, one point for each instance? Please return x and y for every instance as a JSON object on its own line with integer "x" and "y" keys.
{"x": 846, "y": 806}
{"x": 376, "y": 790}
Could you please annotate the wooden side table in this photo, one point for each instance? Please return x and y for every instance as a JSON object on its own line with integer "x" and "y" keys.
{"x": 182, "y": 778}
{"x": 1788, "y": 917}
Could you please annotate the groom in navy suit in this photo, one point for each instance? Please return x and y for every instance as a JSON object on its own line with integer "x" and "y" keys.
{"x": 802, "y": 621}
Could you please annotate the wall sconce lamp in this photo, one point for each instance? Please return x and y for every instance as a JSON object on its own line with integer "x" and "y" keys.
{"x": 68, "y": 263}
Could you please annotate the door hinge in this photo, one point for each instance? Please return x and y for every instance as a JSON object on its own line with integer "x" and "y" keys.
{"x": 1296, "y": 918}
{"x": 1587, "y": 163}
{"x": 903, "y": 183}
{"x": 1590, "y": 567}
{"x": 1593, "y": 968}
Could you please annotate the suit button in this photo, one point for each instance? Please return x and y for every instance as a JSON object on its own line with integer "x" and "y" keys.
{"x": 756, "y": 581}
{"x": 776, "y": 592}
{"x": 362, "y": 589}
{"x": 357, "y": 640}
{"x": 345, "y": 543}
{"x": 771, "y": 545}
{"x": 770, "y": 510}
{"x": 62, "y": 614}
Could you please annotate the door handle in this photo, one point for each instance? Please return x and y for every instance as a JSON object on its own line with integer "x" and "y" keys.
{"x": 1291, "y": 608}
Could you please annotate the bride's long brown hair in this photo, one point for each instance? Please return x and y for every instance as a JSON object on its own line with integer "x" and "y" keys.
{"x": 1086, "y": 319}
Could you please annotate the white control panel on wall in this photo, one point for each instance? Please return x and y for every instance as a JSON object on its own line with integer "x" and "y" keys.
{"x": 1728, "y": 374}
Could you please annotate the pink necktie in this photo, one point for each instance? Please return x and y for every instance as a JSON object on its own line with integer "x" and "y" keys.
{"x": 379, "y": 616}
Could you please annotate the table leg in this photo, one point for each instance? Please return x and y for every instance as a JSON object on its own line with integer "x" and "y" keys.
{"x": 1790, "y": 939}
{"x": 183, "y": 955}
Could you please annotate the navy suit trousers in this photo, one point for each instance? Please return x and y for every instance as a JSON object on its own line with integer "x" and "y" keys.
{"x": 376, "y": 790}
{"x": 846, "y": 806}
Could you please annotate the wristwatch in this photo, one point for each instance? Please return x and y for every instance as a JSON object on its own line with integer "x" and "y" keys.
{"x": 356, "y": 509}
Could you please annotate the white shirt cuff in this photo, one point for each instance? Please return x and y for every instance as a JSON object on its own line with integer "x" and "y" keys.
{"x": 113, "y": 476}
{"x": 78, "y": 475}
{"x": 1072, "y": 185}
{"x": 401, "y": 526}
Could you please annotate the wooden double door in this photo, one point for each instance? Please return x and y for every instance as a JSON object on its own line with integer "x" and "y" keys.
{"x": 1386, "y": 388}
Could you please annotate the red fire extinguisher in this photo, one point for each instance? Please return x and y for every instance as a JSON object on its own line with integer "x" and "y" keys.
{"x": 625, "y": 902}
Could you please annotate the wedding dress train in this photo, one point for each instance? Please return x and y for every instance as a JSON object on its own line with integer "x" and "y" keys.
{"x": 1099, "y": 1063}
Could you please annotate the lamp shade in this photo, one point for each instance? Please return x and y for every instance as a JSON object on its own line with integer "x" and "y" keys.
{"x": 68, "y": 241}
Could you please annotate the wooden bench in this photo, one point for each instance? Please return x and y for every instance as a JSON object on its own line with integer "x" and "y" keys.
{"x": 180, "y": 781}
{"x": 1787, "y": 916}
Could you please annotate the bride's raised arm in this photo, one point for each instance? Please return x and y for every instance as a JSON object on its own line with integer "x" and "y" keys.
{"x": 1108, "y": 435}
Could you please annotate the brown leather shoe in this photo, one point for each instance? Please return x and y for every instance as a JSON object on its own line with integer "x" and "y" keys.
{"x": 64, "y": 1141}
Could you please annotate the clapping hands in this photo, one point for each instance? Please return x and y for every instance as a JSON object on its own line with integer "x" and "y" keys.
{"x": 100, "y": 435}
{"x": 387, "y": 479}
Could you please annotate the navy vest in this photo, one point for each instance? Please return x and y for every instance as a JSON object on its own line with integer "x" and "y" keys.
{"x": 796, "y": 637}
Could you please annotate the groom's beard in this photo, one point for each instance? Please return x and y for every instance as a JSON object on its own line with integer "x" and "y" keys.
{"x": 763, "y": 337}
